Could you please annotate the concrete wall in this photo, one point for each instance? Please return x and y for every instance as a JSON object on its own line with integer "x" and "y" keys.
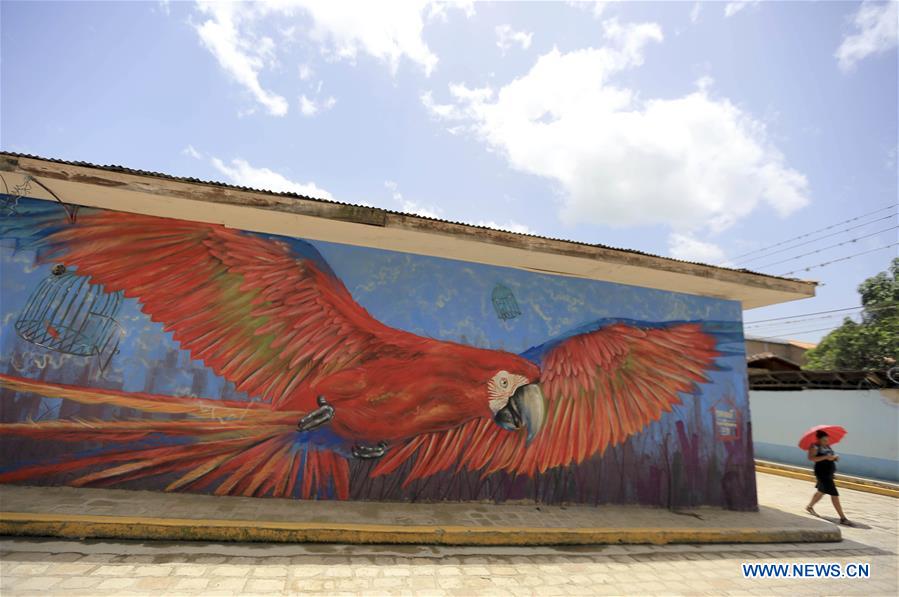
{"x": 871, "y": 418}
{"x": 226, "y": 339}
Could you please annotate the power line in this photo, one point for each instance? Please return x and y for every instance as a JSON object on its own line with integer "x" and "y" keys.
{"x": 821, "y": 312}
{"x": 845, "y": 242}
{"x": 807, "y": 234}
{"x": 817, "y": 265}
{"x": 813, "y": 313}
{"x": 794, "y": 333}
{"x": 794, "y": 321}
{"x": 808, "y": 242}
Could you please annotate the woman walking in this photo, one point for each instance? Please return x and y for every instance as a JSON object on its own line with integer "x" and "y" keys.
{"x": 825, "y": 466}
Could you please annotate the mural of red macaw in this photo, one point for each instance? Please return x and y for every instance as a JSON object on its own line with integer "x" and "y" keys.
{"x": 329, "y": 383}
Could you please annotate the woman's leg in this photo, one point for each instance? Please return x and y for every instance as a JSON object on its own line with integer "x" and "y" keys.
{"x": 836, "y": 505}
{"x": 811, "y": 505}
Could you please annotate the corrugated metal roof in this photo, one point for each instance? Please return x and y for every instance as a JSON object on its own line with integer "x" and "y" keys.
{"x": 193, "y": 180}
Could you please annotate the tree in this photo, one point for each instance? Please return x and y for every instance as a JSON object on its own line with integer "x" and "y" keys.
{"x": 873, "y": 343}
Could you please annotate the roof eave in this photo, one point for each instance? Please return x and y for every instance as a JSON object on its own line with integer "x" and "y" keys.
{"x": 287, "y": 214}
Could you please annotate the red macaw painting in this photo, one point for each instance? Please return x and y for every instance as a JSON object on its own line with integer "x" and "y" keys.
{"x": 335, "y": 399}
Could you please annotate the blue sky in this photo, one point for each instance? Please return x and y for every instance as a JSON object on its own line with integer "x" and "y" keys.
{"x": 701, "y": 131}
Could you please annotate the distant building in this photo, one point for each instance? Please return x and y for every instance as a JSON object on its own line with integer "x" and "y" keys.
{"x": 790, "y": 351}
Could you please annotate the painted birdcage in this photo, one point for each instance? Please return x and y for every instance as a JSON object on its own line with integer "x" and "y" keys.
{"x": 504, "y": 303}
{"x": 68, "y": 314}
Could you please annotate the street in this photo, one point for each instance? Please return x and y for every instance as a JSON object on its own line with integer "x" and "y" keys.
{"x": 52, "y": 567}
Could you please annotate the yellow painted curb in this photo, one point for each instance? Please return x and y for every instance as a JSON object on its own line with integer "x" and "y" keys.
{"x": 854, "y": 484}
{"x": 124, "y": 527}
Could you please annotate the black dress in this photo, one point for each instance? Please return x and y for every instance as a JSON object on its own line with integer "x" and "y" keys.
{"x": 824, "y": 471}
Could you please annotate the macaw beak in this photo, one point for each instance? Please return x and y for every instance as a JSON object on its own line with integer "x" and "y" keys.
{"x": 526, "y": 408}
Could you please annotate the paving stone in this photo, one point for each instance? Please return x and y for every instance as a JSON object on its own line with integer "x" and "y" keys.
{"x": 114, "y": 570}
{"x": 388, "y": 583}
{"x": 152, "y": 570}
{"x": 339, "y": 572}
{"x": 72, "y": 568}
{"x": 230, "y": 570}
{"x": 38, "y": 583}
{"x": 116, "y": 584}
{"x": 191, "y": 570}
{"x": 269, "y": 572}
{"x": 78, "y": 582}
{"x": 29, "y": 569}
{"x": 227, "y": 584}
{"x": 307, "y": 571}
{"x": 190, "y": 584}
{"x": 265, "y": 585}
{"x": 367, "y": 571}
{"x": 396, "y": 571}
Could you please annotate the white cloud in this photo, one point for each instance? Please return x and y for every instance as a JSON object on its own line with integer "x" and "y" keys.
{"x": 311, "y": 107}
{"x": 241, "y": 173}
{"x": 192, "y": 152}
{"x": 689, "y": 162}
{"x": 305, "y": 72}
{"x": 510, "y": 226}
{"x": 694, "y": 12}
{"x": 506, "y": 37}
{"x": 688, "y": 248}
{"x": 596, "y": 7}
{"x": 239, "y": 51}
{"x": 437, "y": 10}
{"x": 387, "y": 31}
{"x": 876, "y": 26}
{"x": 409, "y": 206}
{"x": 732, "y": 8}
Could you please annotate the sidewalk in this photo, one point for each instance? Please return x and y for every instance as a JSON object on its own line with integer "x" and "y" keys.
{"x": 108, "y": 513}
{"x": 843, "y": 481}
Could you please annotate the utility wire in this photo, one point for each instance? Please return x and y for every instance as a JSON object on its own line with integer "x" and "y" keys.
{"x": 803, "y": 315}
{"x": 820, "y": 312}
{"x": 817, "y": 265}
{"x": 795, "y": 321}
{"x": 845, "y": 242}
{"x": 808, "y": 242}
{"x": 813, "y": 313}
{"x": 807, "y": 234}
{"x": 793, "y": 333}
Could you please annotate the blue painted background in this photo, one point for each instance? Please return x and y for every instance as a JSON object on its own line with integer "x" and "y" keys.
{"x": 448, "y": 300}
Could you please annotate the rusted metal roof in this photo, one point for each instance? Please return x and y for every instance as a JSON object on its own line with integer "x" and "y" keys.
{"x": 373, "y": 210}
{"x": 824, "y": 380}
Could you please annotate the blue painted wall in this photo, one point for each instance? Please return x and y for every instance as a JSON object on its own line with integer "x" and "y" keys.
{"x": 678, "y": 461}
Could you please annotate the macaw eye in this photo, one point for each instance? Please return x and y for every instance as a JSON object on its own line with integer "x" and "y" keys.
{"x": 504, "y": 382}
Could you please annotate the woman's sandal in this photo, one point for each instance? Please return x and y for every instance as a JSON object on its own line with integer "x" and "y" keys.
{"x": 846, "y": 522}
{"x": 811, "y": 511}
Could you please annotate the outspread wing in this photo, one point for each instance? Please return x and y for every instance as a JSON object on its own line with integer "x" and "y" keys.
{"x": 257, "y": 313}
{"x": 601, "y": 387}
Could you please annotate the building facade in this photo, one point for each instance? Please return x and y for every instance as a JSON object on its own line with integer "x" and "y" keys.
{"x": 148, "y": 345}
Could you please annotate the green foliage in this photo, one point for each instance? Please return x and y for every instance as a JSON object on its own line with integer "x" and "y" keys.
{"x": 873, "y": 343}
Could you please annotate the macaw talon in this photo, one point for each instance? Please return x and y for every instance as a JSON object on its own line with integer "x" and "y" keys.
{"x": 317, "y": 417}
{"x": 370, "y": 452}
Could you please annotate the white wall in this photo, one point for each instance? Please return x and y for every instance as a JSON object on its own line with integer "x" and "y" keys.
{"x": 871, "y": 417}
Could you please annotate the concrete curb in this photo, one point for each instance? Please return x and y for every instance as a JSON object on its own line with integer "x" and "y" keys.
{"x": 121, "y": 527}
{"x": 843, "y": 481}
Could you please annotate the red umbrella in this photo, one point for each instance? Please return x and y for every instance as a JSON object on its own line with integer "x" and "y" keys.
{"x": 834, "y": 433}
